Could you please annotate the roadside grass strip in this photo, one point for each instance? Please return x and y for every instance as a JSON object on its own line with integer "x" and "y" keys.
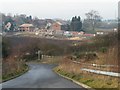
{"x": 90, "y": 81}
{"x": 15, "y": 75}
{"x": 74, "y": 81}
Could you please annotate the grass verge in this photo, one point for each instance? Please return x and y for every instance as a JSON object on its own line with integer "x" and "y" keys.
{"x": 14, "y": 75}
{"x": 88, "y": 80}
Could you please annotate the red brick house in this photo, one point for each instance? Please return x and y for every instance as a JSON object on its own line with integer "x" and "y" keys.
{"x": 56, "y": 26}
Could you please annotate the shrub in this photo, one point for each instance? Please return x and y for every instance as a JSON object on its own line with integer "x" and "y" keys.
{"x": 103, "y": 49}
{"x": 87, "y": 55}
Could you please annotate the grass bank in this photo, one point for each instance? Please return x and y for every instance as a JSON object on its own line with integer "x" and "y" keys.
{"x": 89, "y": 79}
{"x": 15, "y": 74}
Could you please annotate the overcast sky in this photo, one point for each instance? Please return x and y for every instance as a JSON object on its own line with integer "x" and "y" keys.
{"x": 64, "y": 9}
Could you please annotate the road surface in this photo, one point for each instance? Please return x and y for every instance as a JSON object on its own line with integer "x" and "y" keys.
{"x": 40, "y": 76}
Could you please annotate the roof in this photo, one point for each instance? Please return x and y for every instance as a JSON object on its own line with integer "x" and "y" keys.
{"x": 26, "y": 25}
{"x": 59, "y": 23}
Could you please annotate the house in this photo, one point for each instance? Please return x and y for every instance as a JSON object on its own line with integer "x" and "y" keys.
{"x": 60, "y": 26}
{"x": 56, "y": 26}
{"x": 26, "y": 27}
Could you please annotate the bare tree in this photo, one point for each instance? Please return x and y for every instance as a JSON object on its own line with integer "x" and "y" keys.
{"x": 93, "y": 17}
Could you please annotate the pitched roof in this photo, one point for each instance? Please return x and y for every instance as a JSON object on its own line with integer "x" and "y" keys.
{"x": 26, "y": 25}
{"x": 59, "y": 23}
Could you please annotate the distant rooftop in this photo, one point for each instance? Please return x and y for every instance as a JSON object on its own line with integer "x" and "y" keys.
{"x": 59, "y": 23}
{"x": 26, "y": 25}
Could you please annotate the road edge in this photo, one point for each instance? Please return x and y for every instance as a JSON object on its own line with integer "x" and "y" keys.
{"x": 74, "y": 81}
{"x": 18, "y": 75}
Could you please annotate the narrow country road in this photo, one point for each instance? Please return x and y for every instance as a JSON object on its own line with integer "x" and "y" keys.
{"x": 40, "y": 76}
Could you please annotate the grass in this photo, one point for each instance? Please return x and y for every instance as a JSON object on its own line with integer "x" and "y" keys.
{"x": 90, "y": 80}
{"x": 72, "y": 70}
{"x": 15, "y": 74}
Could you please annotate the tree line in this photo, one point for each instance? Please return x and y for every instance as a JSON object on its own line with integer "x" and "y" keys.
{"x": 92, "y": 21}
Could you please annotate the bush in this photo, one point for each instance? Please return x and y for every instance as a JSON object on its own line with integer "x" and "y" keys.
{"x": 103, "y": 49}
{"x": 87, "y": 55}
